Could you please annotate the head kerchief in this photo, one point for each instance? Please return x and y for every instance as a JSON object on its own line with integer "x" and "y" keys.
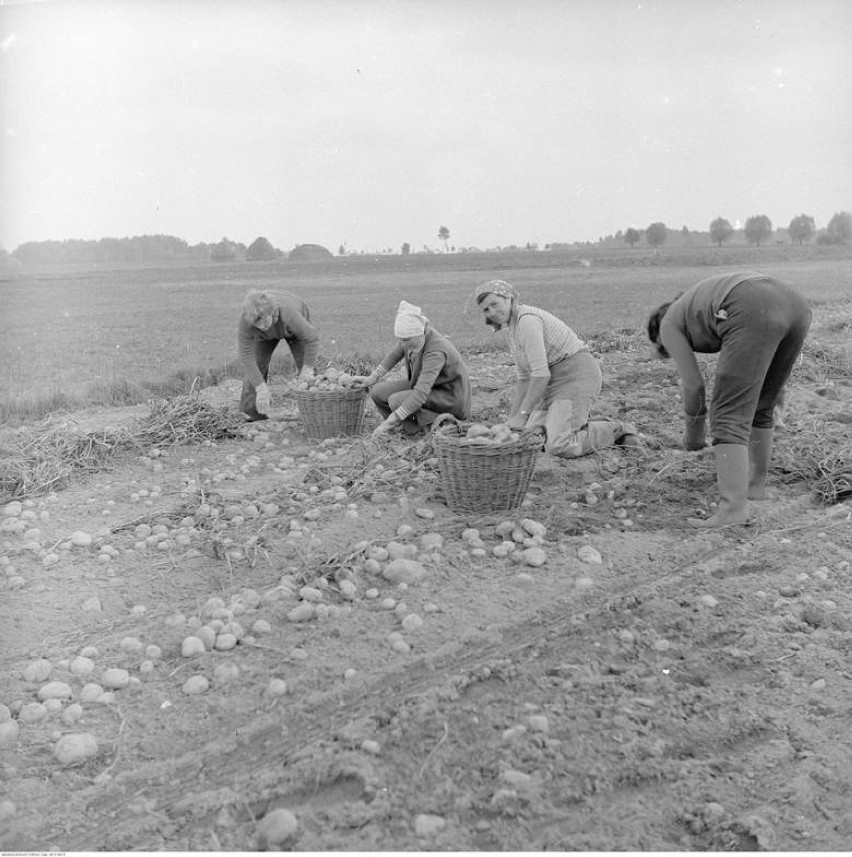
{"x": 495, "y": 287}
{"x": 410, "y": 321}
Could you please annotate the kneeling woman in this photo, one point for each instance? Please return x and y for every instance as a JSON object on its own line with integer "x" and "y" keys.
{"x": 436, "y": 379}
{"x": 557, "y": 378}
{"x": 757, "y": 325}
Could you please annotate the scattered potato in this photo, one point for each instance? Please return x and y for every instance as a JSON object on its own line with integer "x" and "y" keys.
{"x": 76, "y": 748}
{"x": 196, "y": 685}
{"x": 277, "y": 827}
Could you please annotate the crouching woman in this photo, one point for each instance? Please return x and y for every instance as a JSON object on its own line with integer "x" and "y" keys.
{"x": 436, "y": 378}
{"x": 557, "y": 378}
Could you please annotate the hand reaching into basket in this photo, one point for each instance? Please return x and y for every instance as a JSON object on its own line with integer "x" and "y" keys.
{"x": 364, "y": 382}
{"x": 518, "y": 421}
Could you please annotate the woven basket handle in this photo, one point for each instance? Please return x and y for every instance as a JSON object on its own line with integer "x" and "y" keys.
{"x": 443, "y": 418}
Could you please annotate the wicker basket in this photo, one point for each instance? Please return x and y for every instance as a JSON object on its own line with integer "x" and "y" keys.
{"x": 331, "y": 413}
{"x": 483, "y": 478}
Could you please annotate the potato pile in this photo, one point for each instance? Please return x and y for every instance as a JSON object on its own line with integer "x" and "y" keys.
{"x": 481, "y": 434}
{"x": 328, "y": 379}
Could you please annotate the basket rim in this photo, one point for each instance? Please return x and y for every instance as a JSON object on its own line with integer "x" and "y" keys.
{"x": 440, "y": 437}
{"x": 342, "y": 393}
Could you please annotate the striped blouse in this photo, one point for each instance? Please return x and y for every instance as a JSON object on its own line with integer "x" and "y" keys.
{"x": 538, "y": 340}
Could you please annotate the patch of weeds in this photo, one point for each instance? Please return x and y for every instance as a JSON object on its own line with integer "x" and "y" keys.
{"x": 28, "y": 408}
{"x": 116, "y": 393}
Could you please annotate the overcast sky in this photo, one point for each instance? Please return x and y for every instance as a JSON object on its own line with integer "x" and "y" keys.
{"x": 371, "y": 123}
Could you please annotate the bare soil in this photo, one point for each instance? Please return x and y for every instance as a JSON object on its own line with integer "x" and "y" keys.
{"x": 691, "y": 691}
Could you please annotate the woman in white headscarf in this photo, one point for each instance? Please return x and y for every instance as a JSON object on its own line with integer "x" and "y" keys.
{"x": 436, "y": 379}
{"x": 557, "y": 377}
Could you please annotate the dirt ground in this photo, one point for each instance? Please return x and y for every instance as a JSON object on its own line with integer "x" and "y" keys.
{"x": 382, "y": 676}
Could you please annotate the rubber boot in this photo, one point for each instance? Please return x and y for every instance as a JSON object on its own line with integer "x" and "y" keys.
{"x": 759, "y": 452}
{"x": 732, "y": 476}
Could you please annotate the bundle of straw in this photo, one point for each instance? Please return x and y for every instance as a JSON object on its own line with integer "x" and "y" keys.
{"x": 187, "y": 419}
{"x": 46, "y": 460}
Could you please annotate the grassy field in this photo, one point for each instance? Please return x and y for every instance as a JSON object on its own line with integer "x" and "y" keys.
{"x": 114, "y": 336}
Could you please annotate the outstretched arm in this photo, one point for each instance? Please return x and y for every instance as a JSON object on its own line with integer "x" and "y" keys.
{"x": 692, "y": 383}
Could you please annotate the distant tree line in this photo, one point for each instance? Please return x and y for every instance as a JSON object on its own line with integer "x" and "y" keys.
{"x": 757, "y": 230}
{"x": 141, "y": 248}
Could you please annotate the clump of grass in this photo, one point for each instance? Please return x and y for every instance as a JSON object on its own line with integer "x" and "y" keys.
{"x": 620, "y": 339}
{"x": 116, "y": 393}
{"x": 813, "y": 456}
{"x": 819, "y": 361}
{"x": 27, "y": 407}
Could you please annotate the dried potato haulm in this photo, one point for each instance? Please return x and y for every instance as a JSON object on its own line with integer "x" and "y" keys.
{"x": 187, "y": 419}
{"x": 43, "y": 460}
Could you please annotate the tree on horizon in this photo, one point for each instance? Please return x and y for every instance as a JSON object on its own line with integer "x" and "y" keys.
{"x": 720, "y": 231}
{"x": 802, "y": 228}
{"x": 757, "y": 228}
{"x": 656, "y": 234}
{"x": 632, "y": 236}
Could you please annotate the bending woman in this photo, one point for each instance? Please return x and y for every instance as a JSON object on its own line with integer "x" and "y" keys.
{"x": 266, "y": 319}
{"x": 436, "y": 379}
{"x": 758, "y": 326}
{"x": 557, "y": 378}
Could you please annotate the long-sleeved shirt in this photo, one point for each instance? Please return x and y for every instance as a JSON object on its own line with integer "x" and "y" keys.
{"x": 437, "y": 373}
{"x": 538, "y": 339}
{"x": 293, "y": 324}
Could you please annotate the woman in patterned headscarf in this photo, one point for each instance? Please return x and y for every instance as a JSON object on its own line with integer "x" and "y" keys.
{"x": 557, "y": 378}
{"x": 436, "y": 379}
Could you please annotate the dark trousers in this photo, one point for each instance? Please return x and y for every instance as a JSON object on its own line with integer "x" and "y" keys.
{"x": 263, "y": 349}
{"x": 761, "y": 339}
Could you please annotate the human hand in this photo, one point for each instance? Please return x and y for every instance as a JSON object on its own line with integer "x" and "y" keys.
{"x": 307, "y": 372}
{"x": 693, "y": 434}
{"x": 383, "y": 428}
{"x": 263, "y": 399}
{"x": 517, "y": 421}
{"x": 361, "y": 381}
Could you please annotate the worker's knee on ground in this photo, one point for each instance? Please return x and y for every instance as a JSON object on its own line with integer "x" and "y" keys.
{"x": 569, "y": 445}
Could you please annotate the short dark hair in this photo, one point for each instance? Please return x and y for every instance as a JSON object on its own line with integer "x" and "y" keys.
{"x": 654, "y": 321}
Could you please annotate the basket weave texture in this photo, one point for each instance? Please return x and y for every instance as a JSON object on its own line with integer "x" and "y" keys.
{"x": 331, "y": 413}
{"x": 483, "y": 478}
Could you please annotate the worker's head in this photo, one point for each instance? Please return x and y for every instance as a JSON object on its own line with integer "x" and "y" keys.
{"x": 497, "y": 299}
{"x": 259, "y": 309}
